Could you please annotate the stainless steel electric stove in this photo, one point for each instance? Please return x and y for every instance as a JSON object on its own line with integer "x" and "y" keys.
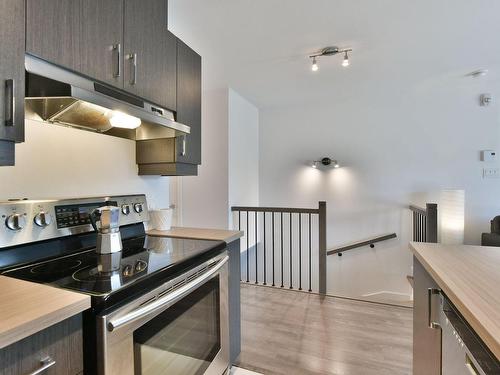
{"x": 145, "y": 305}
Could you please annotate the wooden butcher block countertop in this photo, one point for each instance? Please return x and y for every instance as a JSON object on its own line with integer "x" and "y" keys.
{"x": 26, "y": 308}
{"x": 470, "y": 278}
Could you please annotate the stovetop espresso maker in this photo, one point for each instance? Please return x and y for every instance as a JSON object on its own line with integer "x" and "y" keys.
{"x": 106, "y": 222}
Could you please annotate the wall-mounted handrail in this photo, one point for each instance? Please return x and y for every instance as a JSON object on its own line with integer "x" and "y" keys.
{"x": 425, "y": 223}
{"x": 286, "y": 219}
{"x": 371, "y": 241}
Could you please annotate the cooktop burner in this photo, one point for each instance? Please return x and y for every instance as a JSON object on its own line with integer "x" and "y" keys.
{"x": 101, "y": 275}
{"x": 52, "y": 268}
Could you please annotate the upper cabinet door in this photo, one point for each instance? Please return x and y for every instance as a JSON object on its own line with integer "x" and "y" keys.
{"x": 188, "y": 148}
{"x": 12, "y": 71}
{"x": 53, "y": 31}
{"x": 102, "y": 40}
{"x": 150, "y": 52}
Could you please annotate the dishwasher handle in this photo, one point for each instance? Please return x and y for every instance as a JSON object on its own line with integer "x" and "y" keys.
{"x": 430, "y": 322}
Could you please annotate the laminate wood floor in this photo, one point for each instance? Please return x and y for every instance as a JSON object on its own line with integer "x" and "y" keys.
{"x": 291, "y": 332}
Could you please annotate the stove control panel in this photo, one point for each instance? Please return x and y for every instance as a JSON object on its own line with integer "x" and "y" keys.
{"x": 27, "y": 221}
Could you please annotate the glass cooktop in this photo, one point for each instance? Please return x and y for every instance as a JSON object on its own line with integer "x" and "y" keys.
{"x": 100, "y": 275}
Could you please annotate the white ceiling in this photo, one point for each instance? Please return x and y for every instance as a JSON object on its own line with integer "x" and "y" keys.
{"x": 260, "y": 47}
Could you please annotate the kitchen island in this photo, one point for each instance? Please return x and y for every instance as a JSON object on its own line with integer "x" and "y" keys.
{"x": 469, "y": 276}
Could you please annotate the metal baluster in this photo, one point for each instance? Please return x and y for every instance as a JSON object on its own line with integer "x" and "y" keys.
{"x": 239, "y": 228}
{"x": 282, "y": 249}
{"x": 291, "y": 286}
{"x": 425, "y": 228}
{"x": 413, "y": 222}
{"x": 256, "y": 245}
{"x": 421, "y": 228}
{"x": 418, "y": 228}
{"x": 310, "y": 240}
{"x": 300, "y": 251}
{"x": 273, "y": 246}
{"x": 264, "y": 219}
{"x": 248, "y": 249}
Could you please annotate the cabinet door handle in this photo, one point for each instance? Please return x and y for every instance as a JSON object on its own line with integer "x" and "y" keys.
{"x": 117, "y": 52}
{"x": 430, "y": 293}
{"x": 133, "y": 72}
{"x": 10, "y": 102}
{"x": 183, "y": 149}
{"x": 45, "y": 364}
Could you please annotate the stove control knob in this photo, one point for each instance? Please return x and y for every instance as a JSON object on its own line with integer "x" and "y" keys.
{"x": 15, "y": 222}
{"x": 140, "y": 266}
{"x": 43, "y": 219}
{"x": 138, "y": 207}
{"x": 125, "y": 209}
{"x": 127, "y": 270}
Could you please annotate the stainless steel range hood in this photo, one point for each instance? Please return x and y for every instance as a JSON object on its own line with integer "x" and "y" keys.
{"x": 58, "y": 96}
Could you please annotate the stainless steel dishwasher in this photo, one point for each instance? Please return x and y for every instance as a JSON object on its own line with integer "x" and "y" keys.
{"x": 463, "y": 352}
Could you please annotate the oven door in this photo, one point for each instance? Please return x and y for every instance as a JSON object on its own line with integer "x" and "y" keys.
{"x": 178, "y": 328}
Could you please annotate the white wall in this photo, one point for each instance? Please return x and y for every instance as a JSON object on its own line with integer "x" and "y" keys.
{"x": 230, "y": 162}
{"x": 243, "y": 151}
{"x": 204, "y": 198}
{"x": 56, "y": 161}
{"x": 390, "y": 144}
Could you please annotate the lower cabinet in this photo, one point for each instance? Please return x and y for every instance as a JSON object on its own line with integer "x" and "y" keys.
{"x": 60, "y": 344}
{"x": 426, "y": 336}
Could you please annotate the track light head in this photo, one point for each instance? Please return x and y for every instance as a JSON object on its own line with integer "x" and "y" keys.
{"x": 345, "y": 62}
{"x": 314, "y": 66}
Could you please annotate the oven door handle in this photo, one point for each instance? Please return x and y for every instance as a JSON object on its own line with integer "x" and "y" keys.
{"x": 166, "y": 300}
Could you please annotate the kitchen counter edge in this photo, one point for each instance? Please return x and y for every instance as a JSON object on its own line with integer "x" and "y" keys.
{"x": 471, "y": 300}
{"x": 227, "y": 236}
{"x": 28, "y": 308}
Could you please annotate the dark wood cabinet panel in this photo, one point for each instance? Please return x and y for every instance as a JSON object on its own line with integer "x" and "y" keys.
{"x": 61, "y": 342}
{"x": 12, "y": 37}
{"x": 426, "y": 341}
{"x": 102, "y": 40}
{"x": 53, "y": 31}
{"x": 150, "y": 52}
{"x": 188, "y": 150}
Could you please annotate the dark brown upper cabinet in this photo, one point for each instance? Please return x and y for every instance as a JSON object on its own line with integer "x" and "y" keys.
{"x": 53, "y": 31}
{"x": 188, "y": 147}
{"x": 124, "y": 43}
{"x": 11, "y": 78}
{"x": 85, "y": 36}
{"x": 150, "y": 52}
{"x": 102, "y": 40}
{"x": 178, "y": 156}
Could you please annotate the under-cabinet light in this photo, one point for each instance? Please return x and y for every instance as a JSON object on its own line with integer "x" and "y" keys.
{"x": 122, "y": 120}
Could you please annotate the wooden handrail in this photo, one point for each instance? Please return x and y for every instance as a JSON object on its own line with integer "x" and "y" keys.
{"x": 292, "y": 210}
{"x": 339, "y": 250}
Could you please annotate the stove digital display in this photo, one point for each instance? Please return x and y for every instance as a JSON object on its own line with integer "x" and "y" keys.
{"x": 77, "y": 214}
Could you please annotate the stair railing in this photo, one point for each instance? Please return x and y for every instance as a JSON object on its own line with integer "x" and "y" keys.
{"x": 425, "y": 223}
{"x": 283, "y": 238}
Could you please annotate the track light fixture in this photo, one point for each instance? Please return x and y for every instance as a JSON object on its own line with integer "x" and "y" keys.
{"x": 325, "y": 162}
{"x": 330, "y": 51}
{"x": 314, "y": 66}
{"x": 345, "y": 62}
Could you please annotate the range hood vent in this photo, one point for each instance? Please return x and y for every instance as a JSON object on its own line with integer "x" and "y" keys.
{"x": 58, "y": 96}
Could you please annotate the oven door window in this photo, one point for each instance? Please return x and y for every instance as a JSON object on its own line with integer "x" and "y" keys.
{"x": 184, "y": 339}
